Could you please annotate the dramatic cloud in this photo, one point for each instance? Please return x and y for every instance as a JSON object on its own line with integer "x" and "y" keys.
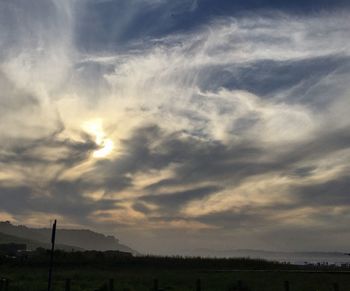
{"x": 153, "y": 118}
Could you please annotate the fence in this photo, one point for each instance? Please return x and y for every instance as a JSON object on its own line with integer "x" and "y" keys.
{"x": 4, "y": 284}
{"x": 197, "y": 286}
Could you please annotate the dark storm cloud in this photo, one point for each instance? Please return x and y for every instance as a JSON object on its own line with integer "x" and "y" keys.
{"x": 141, "y": 207}
{"x": 150, "y": 148}
{"x": 318, "y": 147}
{"x": 67, "y": 152}
{"x": 50, "y": 158}
{"x": 334, "y": 192}
{"x": 244, "y": 217}
{"x": 74, "y": 193}
{"x": 196, "y": 161}
{"x": 64, "y": 198}
{"x": 14, "y": 199}
{"x": 173, "y": 201}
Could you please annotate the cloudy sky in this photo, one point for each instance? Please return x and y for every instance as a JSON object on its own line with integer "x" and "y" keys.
{"x": 178, "y": 124}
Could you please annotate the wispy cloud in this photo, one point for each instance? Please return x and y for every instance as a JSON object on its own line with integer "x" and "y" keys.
{"x": 232, "y": 122}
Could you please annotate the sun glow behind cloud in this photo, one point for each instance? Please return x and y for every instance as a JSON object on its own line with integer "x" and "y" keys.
{"x": 219, "y": 127}
{"x": 105, "y": 144}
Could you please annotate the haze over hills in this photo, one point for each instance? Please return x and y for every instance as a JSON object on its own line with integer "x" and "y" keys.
{"x": 84, "y": 239}
{"x": 34, "y": 244}
{"x": 66, "y": 239}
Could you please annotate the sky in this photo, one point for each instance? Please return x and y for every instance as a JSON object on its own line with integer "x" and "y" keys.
{"x": 178, "y": 125}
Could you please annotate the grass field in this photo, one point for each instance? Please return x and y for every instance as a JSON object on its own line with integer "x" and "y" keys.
{"x": 141, "y": 279}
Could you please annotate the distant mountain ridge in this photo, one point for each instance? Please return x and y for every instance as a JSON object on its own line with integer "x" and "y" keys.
{"x": 65, "y": 238}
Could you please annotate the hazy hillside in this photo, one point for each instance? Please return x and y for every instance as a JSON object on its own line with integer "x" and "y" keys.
{"x": 81, "y": 238}
{"x": 32, "y": 244}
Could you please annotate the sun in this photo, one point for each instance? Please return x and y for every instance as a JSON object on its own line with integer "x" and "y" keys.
{"x": 105, "y": 144}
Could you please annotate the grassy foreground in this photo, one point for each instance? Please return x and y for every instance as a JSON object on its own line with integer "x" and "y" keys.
{"x": 87, "y": 278}
{"x": 90, "y": 271}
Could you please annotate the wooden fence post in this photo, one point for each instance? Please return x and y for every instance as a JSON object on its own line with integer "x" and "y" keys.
{"x": 239, "y": 285}
{"x": 286, "y": 286}
{"x": 198, "y": 285}
{"x": 335, "y": 287}
{"x": 7, "y": 283}
{"x": 68, "y": 283}
{"x": 53, "y": 240}
{"x": 111, "y": 284}
{"x": 155, "y": 285}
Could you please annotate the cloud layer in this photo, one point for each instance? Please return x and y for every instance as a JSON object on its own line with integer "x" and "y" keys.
{"x": 152, "y": 120}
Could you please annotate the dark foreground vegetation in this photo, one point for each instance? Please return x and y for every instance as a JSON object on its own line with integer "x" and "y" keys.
{"x": 117, "y": 271}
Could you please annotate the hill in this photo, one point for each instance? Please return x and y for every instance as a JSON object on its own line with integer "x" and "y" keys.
{"x": 32, "y": 244}
{"x": 71, "y": 238}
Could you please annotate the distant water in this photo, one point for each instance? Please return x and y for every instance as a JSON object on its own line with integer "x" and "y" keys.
{"x": 306, "y": 258}
{"x": 299, "y": 258}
